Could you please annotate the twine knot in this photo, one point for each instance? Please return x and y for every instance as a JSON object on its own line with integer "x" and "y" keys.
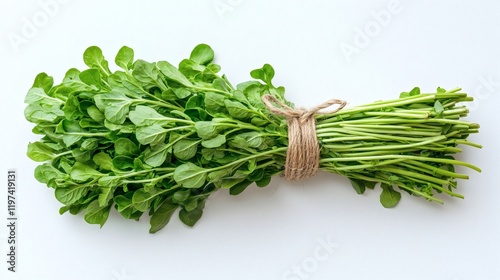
{"x": 303, "y": 154}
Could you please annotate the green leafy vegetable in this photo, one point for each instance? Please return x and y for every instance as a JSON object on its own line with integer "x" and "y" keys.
{"x": 153, "y": 138}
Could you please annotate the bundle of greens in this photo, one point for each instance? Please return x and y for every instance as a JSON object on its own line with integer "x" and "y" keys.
{"x": 154, "y": 138}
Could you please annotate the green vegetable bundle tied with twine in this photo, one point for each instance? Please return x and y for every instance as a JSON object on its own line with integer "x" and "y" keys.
{"x": 155, "y": 138}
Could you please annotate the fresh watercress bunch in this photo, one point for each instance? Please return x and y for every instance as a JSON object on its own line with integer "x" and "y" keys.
{"x": 153, "y": 138}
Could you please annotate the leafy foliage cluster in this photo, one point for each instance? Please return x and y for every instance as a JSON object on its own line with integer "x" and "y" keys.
{"x": 153, "y": 138}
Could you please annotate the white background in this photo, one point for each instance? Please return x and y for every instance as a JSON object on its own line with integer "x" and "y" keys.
{"x": 269, "y": 233}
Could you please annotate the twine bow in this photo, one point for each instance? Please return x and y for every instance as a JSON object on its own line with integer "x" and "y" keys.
{"x": 303, "y": 154}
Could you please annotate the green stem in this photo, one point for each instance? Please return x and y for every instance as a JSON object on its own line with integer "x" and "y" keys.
{"x": 211, "y": 90}
{"x": 61, "y": 154}
{"x": 178, "y": 128}
{"x": 96, "y": 134}
{"x": 430, "y": 159}
{"x": 242, "y": 160}
{"x": 369, "y": 165}
{"x": 417, "y": 192}
{"x": 433, "y": 170}
{"x": 400, "y": 115}
{"x": 157, "y": 103}
{"x": 168, "y": 175}
{"x": 400, "y": 185}
{"x": 416, "y": 175}
{"x": 390, "y": 147}
{"x": 173, "y": 120}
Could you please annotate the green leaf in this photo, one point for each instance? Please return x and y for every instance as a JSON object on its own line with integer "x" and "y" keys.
{"x": 182, "y": 93}
{"x": 358, "y": 185}
{"x": 144, "y": 116}
{"x": 153, "y": 134}
{"x": 66, "y": 127}
{"x": 220, "y": 84}
{"x": 109, "y": 181}
{"x": 202, "y": 54}
{"x": 440, "y": 90}
{"x": 173, "y": 74}
{"x": 125, "y": 147}
{"x": 252, "y": 165}
{"x": 180, "y": 114}
{"x": 71, "y": 78}
{"x": 123, "y": 162}
{"x": 71, "y": 194}
{"x": 89, "y": 123}
{"x": 131, "y": 87}
{"x": 115, "y": 106}
{"x": 43, "y": 81}
{"x": 35, "y": 113}
{"x": 185, "y": 149}
{"x": 190, "y": 218}
{"x": 248, "y": 139}
{"x": 139, "y": 165}
{"x": 217, "y": 176}
{"x": 96, "y": 214}
{"x": 142, "y": 199}
{"x": 89, "y": 144}
{"x": 190, "y": 68}
{"x": 265, "y": 74}
{"x": 206, "y": 129}
{"x": 389, "y": 197}
{"x": 161, "y": 216}
{"x": 95, "y": 114}
{"x": 195, "y": 102}
{"x": 214, "y": 103}
{"x": 238, "y": 177}
{"x": 73, "y": 209}
{"x": 210, "y": 154}
{"x": 415, "y": 91}
{"x": 72, "y": 109}
{"x": 93, "y": 58}
{"x": 191, "y": 204}
{"x": 41, "y": 106}
{"x": 55, "y": 146}
{"x": 196, "y": 114}
{"x": 156, "y": 155}
{"x": 240, "y": 187}
{"x": 169, "y": 94}
{"x": 81, "y": 155}
{"x": 256, "y": 175}
{"x": 92, "y": 77}
{"x": 215, "y": 142}
{"x": 123, "y": 202}
{"x": 125, "y": 207}
{"x": 105, "y": 195}
{"x": 46, "y": 172}
{"x": 237, "y": 110}
{"x": 40, "y": 152}
{"x": 438, "y": 108}
{"x": 103, "y": 160}
{"x": 370, "y": 184}
{"x": 264, "y": 181}
{"x": 82, "y": 172}
{"x": 147, "y": 74}
{"x": 258, "y": 121}
{"x": 125, "y": 58}
{"x": 181, "y": 196}
{"x": 213, "y": 69}
{"x": 190, "y": 175}
{"x": 66, "y": 165}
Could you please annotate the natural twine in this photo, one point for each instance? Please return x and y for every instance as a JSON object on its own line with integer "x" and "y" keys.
{"x": 303, "y": 154}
